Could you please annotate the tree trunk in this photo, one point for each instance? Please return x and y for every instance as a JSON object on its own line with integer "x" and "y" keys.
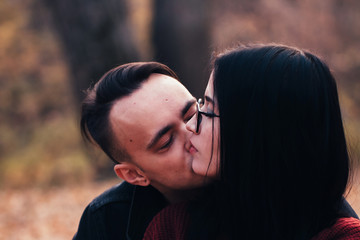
{"x": 96, "y": 36}
{"x": 181, "y": 40}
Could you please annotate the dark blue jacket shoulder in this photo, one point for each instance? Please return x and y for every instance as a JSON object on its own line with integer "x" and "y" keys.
{"x": 121, "y": 212}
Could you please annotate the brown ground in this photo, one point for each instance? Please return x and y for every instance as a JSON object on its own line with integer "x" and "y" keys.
{"x": 45, "y": 214}
{"x": 55, "y": 213}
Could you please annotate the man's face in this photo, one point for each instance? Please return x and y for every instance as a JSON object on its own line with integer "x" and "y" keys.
{"x": 150, "y": 125}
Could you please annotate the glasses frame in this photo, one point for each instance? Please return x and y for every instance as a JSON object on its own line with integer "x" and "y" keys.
{"x": 199, "y": 113}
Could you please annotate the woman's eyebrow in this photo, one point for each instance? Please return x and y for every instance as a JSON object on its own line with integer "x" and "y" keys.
{"x": 209, "y": 99}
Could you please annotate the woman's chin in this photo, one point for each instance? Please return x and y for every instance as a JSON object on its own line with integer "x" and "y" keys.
{"x": 203, "y": 170}
{"x": 198, "y": 168}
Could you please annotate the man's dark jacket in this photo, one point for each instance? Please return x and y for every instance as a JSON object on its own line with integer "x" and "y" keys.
{"x": 122, "y": 212}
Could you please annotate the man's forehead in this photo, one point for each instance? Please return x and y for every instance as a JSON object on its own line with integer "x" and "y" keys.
{"x": 139, "y": 116}
{"x": 156, "y": 94}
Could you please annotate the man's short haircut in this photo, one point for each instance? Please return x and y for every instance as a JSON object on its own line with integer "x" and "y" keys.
{"x": 117, "y": 83}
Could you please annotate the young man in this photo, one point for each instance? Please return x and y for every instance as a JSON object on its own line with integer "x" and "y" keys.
{"x": 137, "y": 114}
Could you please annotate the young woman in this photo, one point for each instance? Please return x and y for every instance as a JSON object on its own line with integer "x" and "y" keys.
{"x": 270, "y": 134}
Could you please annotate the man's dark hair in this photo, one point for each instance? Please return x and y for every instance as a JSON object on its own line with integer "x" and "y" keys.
{"x": 117, "y": 83}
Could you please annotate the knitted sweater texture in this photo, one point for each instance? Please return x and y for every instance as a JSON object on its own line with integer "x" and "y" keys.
{"x": 173, "y": 221}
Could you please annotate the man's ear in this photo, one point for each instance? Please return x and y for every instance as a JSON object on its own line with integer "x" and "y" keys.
{"x": 131, "y": 174}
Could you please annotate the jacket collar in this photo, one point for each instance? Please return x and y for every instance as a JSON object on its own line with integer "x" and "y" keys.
{"x": 146, "y": 203}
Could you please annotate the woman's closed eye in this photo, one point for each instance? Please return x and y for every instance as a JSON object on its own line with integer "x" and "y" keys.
{"x": 210, "y": 114}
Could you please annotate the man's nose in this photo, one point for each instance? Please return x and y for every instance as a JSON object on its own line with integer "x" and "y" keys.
{"x": 191, "y": 124}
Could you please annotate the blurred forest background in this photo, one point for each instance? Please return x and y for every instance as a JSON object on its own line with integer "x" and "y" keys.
{"x": 53, "y": 50}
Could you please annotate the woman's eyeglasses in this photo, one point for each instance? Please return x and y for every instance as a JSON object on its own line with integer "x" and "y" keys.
{"x": 199, "y": 113}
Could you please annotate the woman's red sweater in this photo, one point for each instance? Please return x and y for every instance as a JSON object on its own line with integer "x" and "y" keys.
{"x": 173, "y": 221}
{"x": 343, "y": 229}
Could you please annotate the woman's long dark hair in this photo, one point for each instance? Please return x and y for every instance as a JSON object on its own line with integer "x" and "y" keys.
{"x": 284, "y": 161}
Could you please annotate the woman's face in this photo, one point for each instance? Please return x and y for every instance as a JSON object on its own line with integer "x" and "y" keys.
{"x": 204, "y": 144}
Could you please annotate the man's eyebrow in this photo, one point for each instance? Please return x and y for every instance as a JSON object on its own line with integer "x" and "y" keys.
{"x": 159, "y": 134}
{"x": 187, "y": 107}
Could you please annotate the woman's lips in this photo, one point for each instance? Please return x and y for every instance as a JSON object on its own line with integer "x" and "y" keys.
{"x": 192, "y": 149}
